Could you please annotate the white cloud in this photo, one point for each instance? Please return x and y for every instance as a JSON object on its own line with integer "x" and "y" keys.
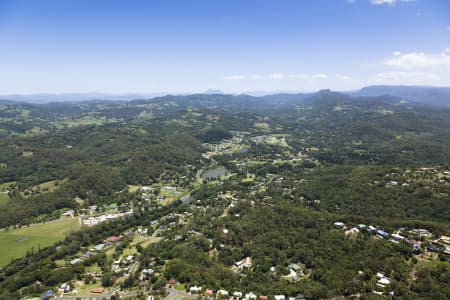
{"x": 276, "y": 76}
{"x": 299, "y": 76}
{"x": 234, "y": 77}
{"x": 306, "y": 76}
{"x": 343, "y": 77}
{"x": 319, "y": 76}
{"x": 408, "y": 77}
{"x": 256, "y": 76}
{"x": 419, "y": 60}
{"x": 390, "y": 2}
{"x": 282, "y": 76}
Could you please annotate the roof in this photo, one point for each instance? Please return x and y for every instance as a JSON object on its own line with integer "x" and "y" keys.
{"x": 222, "y": 292}
{"x": 382, "y": 233}
{"x": 113, "y": 238}
{"x": 98, "y": 290}
{"x": 384, "y": 281}
{"x": 172, "y": 281}
{"x": 99, "y": 247}
{"x": 47, "y": 294}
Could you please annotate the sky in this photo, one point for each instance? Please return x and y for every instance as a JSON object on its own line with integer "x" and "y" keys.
{"x": 186, "y": 46}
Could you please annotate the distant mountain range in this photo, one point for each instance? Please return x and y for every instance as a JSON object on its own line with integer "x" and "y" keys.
{"x": 76, "y": 97}
{"x": 436, "y": 96}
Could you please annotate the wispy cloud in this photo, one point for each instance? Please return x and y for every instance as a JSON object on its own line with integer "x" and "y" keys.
{"x": 256, "y": 76}
{"x": 419, "y": 60}
{"x": 343, "y": 77}
{"x": 234, "y": 77}
{"x": 306, "y": 76}
{"x": 407, "y": 77}
{"x": 299, "y": 76}
{"x": 282, "y": 76}
{"x": 319, "y": 76}
{"x": 389, "y": 2}
{"x": 276, "y": 76}
{"x": 381, "y": 2}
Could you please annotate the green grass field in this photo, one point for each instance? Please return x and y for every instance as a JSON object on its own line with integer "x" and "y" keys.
{"x": 15, "y": 243}
{"x": 4, "y": 198}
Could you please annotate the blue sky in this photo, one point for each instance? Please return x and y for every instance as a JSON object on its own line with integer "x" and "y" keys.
{"x": 233, "y": 45}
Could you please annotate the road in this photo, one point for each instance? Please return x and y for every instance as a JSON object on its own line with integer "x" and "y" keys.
{"x": 173, "y": 294}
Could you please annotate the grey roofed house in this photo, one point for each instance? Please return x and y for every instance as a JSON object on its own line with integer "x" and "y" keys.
{"x": 99, "y": 247}
{"x": 382, "y": 233}
{"x": 48, "y": 294}
{"x": 75, "y": 261}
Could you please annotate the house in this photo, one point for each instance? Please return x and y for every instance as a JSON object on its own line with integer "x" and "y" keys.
{"x": 383, "y": 281}
{"x": 209, "y": 293}
{"x": 99, "y": 247}
{"x": 250, "y": 295}
{"x": 195, "y": 289}
{"x": 237, "y": 295}
{"x": 421, "y": 232}
{"x": 113, "y": 239}
{"x": 98, "y": 290}
{"x": 382, "y": 233}
{"x": 263, "y": 297}
{"x": 147, "y": 272}
{"x": 47, "y": 295}
{"x": 172, "y": 282}
{"x": 447, "y": 250}
{"x": 397, "y": 237}
{"x": 280, "y": 297}
{"x": 414, "y": 244}
{"x": 222, "y": 293}
{"x": 75, "y": 261}
{"x": 300, "y": 296}
{"x": 433, "y": 248}
{"x": 65, "y": 287}
{"x": 294, "y": 267}
{"x": 362, "y": 226}
{"x": 244, "y": 263}
{"x": 68, "y": 213}
{"x": 338, "y": 225}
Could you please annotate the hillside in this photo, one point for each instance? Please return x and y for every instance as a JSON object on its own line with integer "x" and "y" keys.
{"x": 275, "y": 164}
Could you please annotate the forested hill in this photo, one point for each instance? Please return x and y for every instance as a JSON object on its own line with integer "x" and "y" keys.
{"x": 144, "y": 141}
{"x": 30, "y": 119}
